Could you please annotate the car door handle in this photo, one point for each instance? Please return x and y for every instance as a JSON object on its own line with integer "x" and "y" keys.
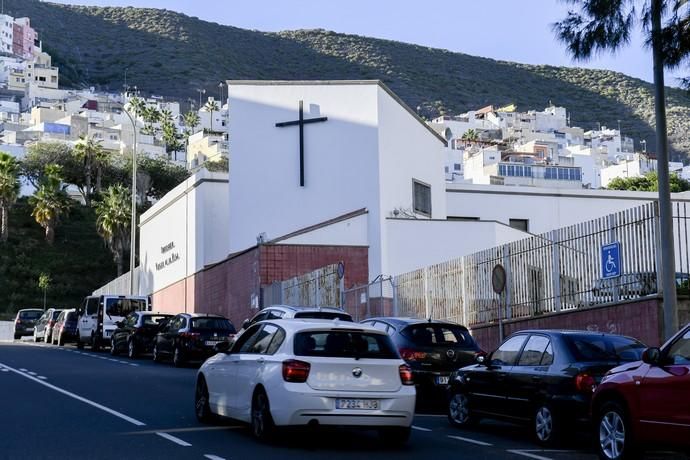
{"x": 260, "y": 361}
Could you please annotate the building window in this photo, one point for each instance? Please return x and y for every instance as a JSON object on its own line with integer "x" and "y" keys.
{"x": 421, "y": 199}
{"x": 457, "y": 167}
{"x": 519, "y": 224}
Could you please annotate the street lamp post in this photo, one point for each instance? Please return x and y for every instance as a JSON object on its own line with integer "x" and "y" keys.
{"x": 132, "y": 238}
{"x": 201, "y": 91}
{"x": 220, "y": 87}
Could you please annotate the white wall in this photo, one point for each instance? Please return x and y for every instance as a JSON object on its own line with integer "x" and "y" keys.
{"x": 413, "y": 244}
{"x": 546, "y": 209}
{"x": 194, "y": 218}
{"x": 350, "y": 232}
{"x": 341, "y": 159}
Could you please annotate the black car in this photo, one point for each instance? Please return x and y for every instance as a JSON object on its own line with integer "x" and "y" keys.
{"x": 542, "y": 378}
{"x": 191, "y": 337}
{"x": 65, "y": 328}
{"x": 25, "y": 321}
{"x": 136, "y": 333}
{"x": 433, "y": 349}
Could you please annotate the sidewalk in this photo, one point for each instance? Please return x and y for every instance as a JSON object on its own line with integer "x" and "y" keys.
{"x": 6, "y": 329}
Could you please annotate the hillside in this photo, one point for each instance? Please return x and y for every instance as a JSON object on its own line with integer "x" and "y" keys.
{"x": 171, "y": 54}
{"x": 78, "y": 262}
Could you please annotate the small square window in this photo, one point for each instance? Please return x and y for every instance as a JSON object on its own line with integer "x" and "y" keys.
{"x": 421, "y": 200}
{"x": 519, "y": 224}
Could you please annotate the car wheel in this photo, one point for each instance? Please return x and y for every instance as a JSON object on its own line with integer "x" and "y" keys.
{"x": 178, "y": 360}
{"x": 80, "y": 344}
{"x": 17, "y": 337}
{"x": 35, "y": 337}
{"x": 263, "y": 428}
{"x": 201, "y": 402}
{"x": 48, "y": 339}
{"x": 132, "y": 350}
{"x": 60, "y": 340}
{"x": 395, "y": 435}
{"x": 546, "y": 425}
{"x": 614, "y": 436}
{"x": 459, "y": 413}
{"x": 113, "y": 350}
{"x": 156, "y": 355}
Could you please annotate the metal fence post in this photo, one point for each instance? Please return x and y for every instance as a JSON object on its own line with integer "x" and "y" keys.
{"x": 556, "y": 269}
{"x": 508, "y": 289}
{"x": 427, "y": 307}
{"x": 394, "y": 290}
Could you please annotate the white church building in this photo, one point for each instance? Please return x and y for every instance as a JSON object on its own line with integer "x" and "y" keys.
{"x": 322, "y": 172}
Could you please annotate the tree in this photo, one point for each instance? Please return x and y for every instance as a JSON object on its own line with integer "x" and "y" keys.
{"x": 50, "y": 202}
{"x": 44, "y": 283}
{"x": 42, "y": 154}
{"x": 605, "y": 25}
{"x": 191, "y": 120}
{"x": 470, "y": 135}
{"x": 171, "y": 137}
{"x": 217, "y": 166}
{"x": 164, "y": 175}
{"x": 113, "y": 222}
{"x": 92, "y": 155}
{"x": 648, "y": 183}
{"x": 9, "y": 191}
{"x": 137, "y": 105}
{"x": 211, "y": 106}
{"x": 151, "y": 116}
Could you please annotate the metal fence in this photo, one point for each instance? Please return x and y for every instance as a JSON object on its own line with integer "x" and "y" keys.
{"x": 374, "y": 299}
{"x": 120, "y": 285}
{"x": 319, "y": 287}
{"x": 555, "y": 271}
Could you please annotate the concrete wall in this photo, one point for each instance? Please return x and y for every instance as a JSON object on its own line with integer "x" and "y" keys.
{"x": 350, "y": 232}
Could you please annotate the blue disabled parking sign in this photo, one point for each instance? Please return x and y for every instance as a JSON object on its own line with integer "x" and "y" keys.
{"x": 611, "y": 260}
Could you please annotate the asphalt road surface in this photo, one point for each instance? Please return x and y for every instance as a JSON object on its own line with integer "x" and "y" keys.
{"x": 63, "y": 403}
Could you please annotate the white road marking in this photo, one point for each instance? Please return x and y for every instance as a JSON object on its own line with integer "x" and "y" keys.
{"x": 41, "y": 377}
{"x": 182, "y": 430}
{"x": 132, "y": 364}
{"x": 472, "y": 441}
{"x": 172, "y": 438}
{"x": 526, "y": 453}
{"x": 419, "y": 428}
{"x": 4, "y": 370}
{"x": 213, "y": 457}
{"x": 32, "y": 373}
{"x": 77, "y": 397}
{"x": 22, "y": 369}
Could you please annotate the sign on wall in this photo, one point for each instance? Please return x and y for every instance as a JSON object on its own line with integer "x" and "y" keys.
{"x": 611, "y": 260}
{"x": 170, "y": 256}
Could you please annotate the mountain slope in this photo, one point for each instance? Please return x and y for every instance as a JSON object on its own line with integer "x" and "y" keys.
{"x": 171, "y": 54}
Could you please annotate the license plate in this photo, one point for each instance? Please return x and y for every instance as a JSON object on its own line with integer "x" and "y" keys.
{"x": 107, "y": 333}
{"x": 442, "y": 380}
{"x": 29, "y": 329}
{"x": 212, "y": 343}
{"x": 366, "y": 404}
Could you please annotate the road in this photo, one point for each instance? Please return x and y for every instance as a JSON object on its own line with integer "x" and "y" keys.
{"x": 63, "y": 403}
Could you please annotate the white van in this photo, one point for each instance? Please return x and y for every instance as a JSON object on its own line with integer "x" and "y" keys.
{"x": 98, "y": 315}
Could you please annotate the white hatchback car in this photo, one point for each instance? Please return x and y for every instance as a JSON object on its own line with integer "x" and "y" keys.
{"x": 309, "y": 372}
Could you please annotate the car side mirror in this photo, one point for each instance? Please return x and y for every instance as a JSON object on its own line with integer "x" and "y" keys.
{"x": 222, "y": 347}
{"x": 480, "y": 359}
{"x": 246, "y": 324}
{"x": 651, "y": 356}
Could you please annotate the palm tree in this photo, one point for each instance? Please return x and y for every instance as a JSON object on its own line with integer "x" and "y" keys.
{"x": 170, "y": 137}
{"x": 50, "y": 202}
{"x": 470, "y": 135}
{"x": 113, "y": 222}
{"x": 151, "y": 115}
{"x": 191, "y": 120}
{"x": 91, "y": 153}
{"x": 606, "y": 25}
{"x": 9, "y": 190}
{"x": 211, "y": 106}
{"x": 137, "y": 105}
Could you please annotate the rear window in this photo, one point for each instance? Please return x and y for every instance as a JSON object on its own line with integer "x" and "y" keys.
{"x": 30, "y": 314}
{"x": 213, "y": 323}
{"x": 447, "y": 335}
{"x": 123, "y": 307}
{"x": 71, "y": 316}
{"x": 56, "y": 313}
{"x": 324, "y": 315}
{"x": 344, "y": 344}
{"x": 604, "y": 348}
{"x": 154, "y": 320}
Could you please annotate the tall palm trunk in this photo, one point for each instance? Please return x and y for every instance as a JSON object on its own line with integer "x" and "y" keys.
{"x": 89, "y": 190}
{"x": 4, "y": 223}
{"x": 99, "y": 178}
{"x": 50, "y": 232}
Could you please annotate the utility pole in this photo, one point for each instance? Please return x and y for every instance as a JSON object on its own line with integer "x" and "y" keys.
{"x": 668, "y": 271}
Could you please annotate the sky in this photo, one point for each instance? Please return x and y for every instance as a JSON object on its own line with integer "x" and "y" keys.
{"x": 509, "y": 30}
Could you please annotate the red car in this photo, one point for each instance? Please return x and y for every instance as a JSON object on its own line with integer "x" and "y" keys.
{"x": 646, "y": 402}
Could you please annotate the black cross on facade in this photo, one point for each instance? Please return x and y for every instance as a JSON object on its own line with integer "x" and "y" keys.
{"x": 301, "y": 122}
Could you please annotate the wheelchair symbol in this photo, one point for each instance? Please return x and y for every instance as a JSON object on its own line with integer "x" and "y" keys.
{"x": 610, "y": 266}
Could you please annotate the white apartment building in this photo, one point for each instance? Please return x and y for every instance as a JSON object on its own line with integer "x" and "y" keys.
{"x": 6, "y": 33}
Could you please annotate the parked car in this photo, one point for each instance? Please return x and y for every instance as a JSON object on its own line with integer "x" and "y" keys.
{"x": 542, "y": 378}
{"x": 291, "y": 311}
{"x": 135, "y": 333}
{"x": 433, "y": 350}
{"x": 191, "y": 337}
{"x": 98, "y": 315}
{"x": 645, "y": 402}
{"x": 44, "y": 326}
{"x": 309, "y": 372}
{"x": 65, "y": 329}
{"x": 25, "y": 321}
{"x": 637, "y": 284}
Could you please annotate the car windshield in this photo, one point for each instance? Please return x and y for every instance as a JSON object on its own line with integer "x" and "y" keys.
{"x": 447, "y": 335}
{"x": 324, "y": 315}
{"x": 56, "y": 313}
{"x": 154, "y": 320}
{"x": 32, "y": 314}
{"x": 604, "y": 348}
{"x": 213, "y": 323}
{"x": 344, "y": 344}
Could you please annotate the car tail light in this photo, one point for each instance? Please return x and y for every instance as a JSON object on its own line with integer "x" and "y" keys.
{"x": 585, "y": 383}
{"x": 412, "y": 355}
{"x": 296, "y": 371}
{"x": 18, "y": 321}
{"x": 406, "y": 374}
{"x": 231, "y": 336}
